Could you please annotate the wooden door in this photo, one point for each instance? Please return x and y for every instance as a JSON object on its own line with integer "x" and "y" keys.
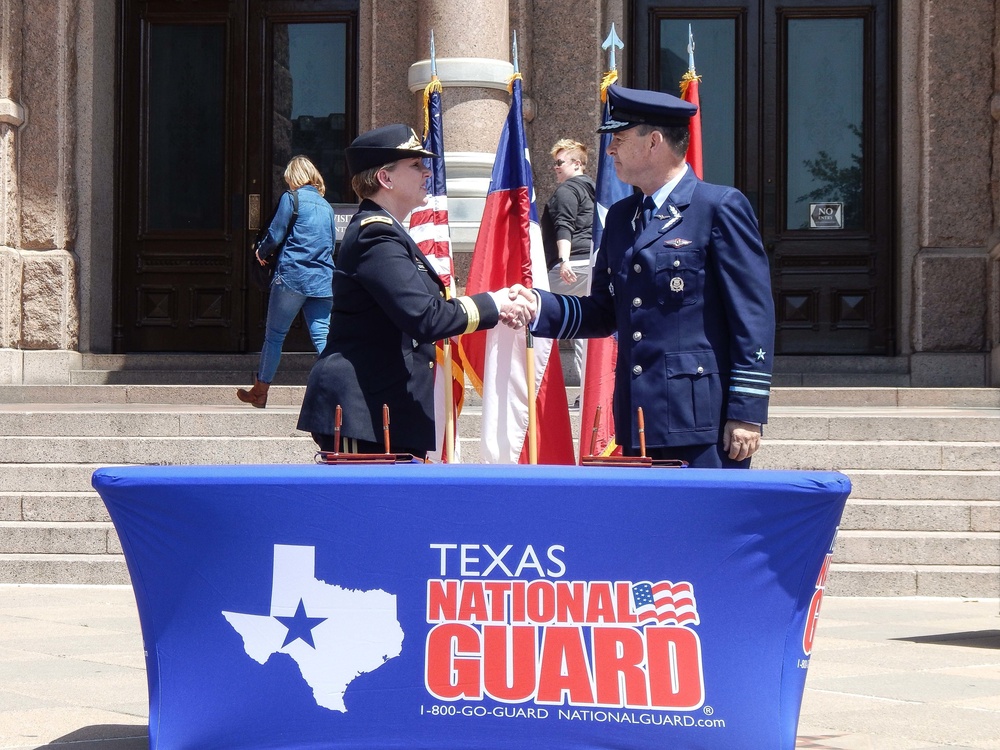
{"x": 797, "y": 111}
{"x": 216, "y": 96}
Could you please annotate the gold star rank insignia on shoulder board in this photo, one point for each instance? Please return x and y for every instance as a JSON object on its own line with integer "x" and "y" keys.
{"x": 375, "y": 220}
{"x": 677, "y": 242}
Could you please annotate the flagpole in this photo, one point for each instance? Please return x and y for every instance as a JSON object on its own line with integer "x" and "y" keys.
{"x": 689, "y": 93}
{"x": 449, "y": 400}
{"x": 598, "y": 375}
{"x": 529, "y": 345}
{"x": 449, "y": 394}
{"x": 529, "y": 349}
{"x": 529, "y": 342}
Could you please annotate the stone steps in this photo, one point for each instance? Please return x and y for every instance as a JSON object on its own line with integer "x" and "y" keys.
{"x": 84, "y": 505}
{"x": 905, "y": 455}
{"x": 193, "y": 369}
{"x": 923, "y": 517}
{"x": 195, "y": 398}
{"x": 816, "y": 401}
{"x": 866, "y": 547}
{"x": 47, "y": 568}
{"x": 268, "y": 449}
{"x": 969, "y": 581}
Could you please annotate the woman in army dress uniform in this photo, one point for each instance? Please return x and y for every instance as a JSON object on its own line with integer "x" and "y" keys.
{"x": 389, "y": 308}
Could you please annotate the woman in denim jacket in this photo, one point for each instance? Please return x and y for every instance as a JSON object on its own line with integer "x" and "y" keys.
{"x": 303, "y": 278}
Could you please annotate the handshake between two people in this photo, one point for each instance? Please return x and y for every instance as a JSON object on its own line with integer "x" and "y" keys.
{"x": 519, "y": 308}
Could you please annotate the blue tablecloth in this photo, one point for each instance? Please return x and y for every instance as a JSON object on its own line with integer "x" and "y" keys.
{"x": 429, "y": 606}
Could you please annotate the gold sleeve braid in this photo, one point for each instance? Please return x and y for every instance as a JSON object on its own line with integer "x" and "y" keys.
{"x": 471, "y": 311}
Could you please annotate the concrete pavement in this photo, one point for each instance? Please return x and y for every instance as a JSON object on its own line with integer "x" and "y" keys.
{"x": 886, "y": 674}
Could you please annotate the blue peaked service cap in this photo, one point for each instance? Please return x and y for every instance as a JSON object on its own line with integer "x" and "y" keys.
{"x": 631, "y": 107}
{"x": 384, "y": 145}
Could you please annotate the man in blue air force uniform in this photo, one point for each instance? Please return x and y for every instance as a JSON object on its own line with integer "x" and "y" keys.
{"x": 681, "y": 275}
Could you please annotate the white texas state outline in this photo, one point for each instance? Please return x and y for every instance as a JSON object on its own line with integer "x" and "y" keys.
{"x": 359, "y": 631}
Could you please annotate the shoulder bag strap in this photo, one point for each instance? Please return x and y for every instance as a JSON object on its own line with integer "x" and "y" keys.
{"x": 295, "y": 212}
{"x": 291, "y": 222}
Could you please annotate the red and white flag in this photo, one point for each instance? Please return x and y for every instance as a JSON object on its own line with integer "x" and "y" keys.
{"x": 689, "y": 93}
{"x": 509, "y": 251}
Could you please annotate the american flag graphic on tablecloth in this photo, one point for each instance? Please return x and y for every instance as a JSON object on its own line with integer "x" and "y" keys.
{"x": 665, "y": 603}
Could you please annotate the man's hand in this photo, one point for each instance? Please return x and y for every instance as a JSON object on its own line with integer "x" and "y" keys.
{"x": 515, "y": 310}
{"x": 741, "y": 439}
{"x": 525, "y": 303}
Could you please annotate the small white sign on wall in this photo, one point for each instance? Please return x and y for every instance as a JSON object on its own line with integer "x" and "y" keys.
{"x": 826, "y": 215}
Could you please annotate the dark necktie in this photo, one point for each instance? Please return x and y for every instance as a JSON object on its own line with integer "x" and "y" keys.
{"x": 645, "y": 215}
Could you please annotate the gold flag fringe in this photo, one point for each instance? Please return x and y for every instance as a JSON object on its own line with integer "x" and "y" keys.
{"x": 430, "y": 88}
{"x": 686, "y": 79}
{"x": 610, "y": 77}
{"x": 510, "y": 82}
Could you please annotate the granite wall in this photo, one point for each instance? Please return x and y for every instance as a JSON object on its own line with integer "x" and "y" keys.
{"x": 57, "y": 95}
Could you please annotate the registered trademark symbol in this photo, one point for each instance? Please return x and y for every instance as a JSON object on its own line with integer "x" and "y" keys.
{"x": 708, "y": 710}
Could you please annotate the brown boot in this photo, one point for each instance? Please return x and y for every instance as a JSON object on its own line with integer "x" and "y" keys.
{"x": 256, "y": 396}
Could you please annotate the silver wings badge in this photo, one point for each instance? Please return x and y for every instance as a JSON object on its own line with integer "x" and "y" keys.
{"x": 672, "y": 215}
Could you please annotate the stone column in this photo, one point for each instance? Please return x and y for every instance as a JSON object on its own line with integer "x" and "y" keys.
{"x": 11, "y": 120}
{"x": 473, "y": 51}
{"x": 950, "y": 267}
{"x": 994, "y": 243}
{"x": 38, "y": 300}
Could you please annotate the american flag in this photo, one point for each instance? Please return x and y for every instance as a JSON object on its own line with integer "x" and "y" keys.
{"x": 429, "y": 222}
{"x": 429, "y": 229}
{"x": 665, "y": 603}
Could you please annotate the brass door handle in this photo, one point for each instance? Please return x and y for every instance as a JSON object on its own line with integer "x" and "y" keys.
{"x": 253, "y": 212}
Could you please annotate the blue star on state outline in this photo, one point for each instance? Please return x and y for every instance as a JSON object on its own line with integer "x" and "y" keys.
{"x": 300, "y": 626}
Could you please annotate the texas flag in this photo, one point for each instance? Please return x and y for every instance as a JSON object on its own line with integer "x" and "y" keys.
{"x": 509, "y": 251}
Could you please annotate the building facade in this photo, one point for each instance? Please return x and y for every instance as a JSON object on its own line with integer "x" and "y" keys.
{"x": 142, "y": 142}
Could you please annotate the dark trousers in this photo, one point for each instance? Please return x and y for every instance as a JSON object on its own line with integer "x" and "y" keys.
{"x": 697, "y": 456}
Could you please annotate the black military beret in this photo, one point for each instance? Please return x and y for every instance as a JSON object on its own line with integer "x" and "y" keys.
{"x": 631, "y": 107}
{"x": 383, "y": 146}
